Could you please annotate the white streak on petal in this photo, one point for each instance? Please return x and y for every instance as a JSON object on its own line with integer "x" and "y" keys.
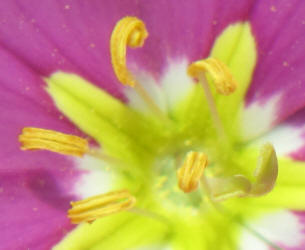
{"x": 258, "y": 118}
{"x": 176, "y": 83}
{"x": 281, "y": 228}
{"x": 286, "y": 139}
{"x": 153, "y": 247}
{"x": 151, "y": 87}
{"x": 95, "y": 180}
{"x": 250, "y": 242}
{"x": 173, "y": 86}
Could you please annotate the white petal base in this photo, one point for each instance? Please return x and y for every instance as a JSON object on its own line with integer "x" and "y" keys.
{"x": 258, "y": 118}
{"x": 282, "y": 228}
{"x": 95, "y": 180}
{"x": 173, "y": 86}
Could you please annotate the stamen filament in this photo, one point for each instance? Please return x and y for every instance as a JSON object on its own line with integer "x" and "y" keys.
{"x": 104, "y": 157}
{"x": 44, "y": 139}
{"x": 224, "y": 83}
{"x": 191, "y": 171}
{"x": 149, "y": 101}
{"x": 150, "y": 214}
{"x": 212, "y": 106}
{"x": 131, "y": 32}
{"x": 98, "y": 206}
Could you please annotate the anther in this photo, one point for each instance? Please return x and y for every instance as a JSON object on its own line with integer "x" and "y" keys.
{"x": 43, "y": 139}
{"x": 95, "y": 207}
{"x": 220, "y": 73}
{"x": 223, "y": 81}
{"x": 131, "y": 32}
{"x": 191, "y": 171}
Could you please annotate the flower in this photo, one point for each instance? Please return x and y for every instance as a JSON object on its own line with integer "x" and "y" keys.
{"x": 66, "y": 42}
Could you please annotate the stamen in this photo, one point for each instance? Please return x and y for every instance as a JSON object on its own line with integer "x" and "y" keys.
{"x": 197, "y": 70}
{"x": 44, "y": 139}
{"x": 222, "y": 77}
{"x": 191, "y": 171}
{"x": 149, "y": 214}
{"x": 99, "y": 206}
{"x": 131, "y": 32}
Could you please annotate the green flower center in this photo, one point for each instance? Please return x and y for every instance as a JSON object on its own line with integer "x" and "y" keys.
{"x": 166, "y": 188}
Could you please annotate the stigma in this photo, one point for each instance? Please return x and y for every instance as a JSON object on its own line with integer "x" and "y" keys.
{"x": 44, "y": 139}
{"x": 88, "y": 210}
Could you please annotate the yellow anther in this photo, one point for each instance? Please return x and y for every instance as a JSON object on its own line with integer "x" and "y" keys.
{"x": 131, "y": 32}
{"x": 191, "y": 171}
{"x": 43, "y": 139}
{"x": 99, "y": 206}
{"x": 220, "y": 73}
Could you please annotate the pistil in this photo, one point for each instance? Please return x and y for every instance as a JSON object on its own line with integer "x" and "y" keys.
{"x": 220, "y": 188}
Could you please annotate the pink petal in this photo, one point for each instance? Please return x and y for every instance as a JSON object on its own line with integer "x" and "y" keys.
{"x": 279, "y": 27}
{"x": 74, "y": 35}
{"x": 35, "y": 187}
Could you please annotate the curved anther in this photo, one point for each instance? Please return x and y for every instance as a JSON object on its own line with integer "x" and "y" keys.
{"x": 220, "y": 73}
{"x": 131, "y": 32}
